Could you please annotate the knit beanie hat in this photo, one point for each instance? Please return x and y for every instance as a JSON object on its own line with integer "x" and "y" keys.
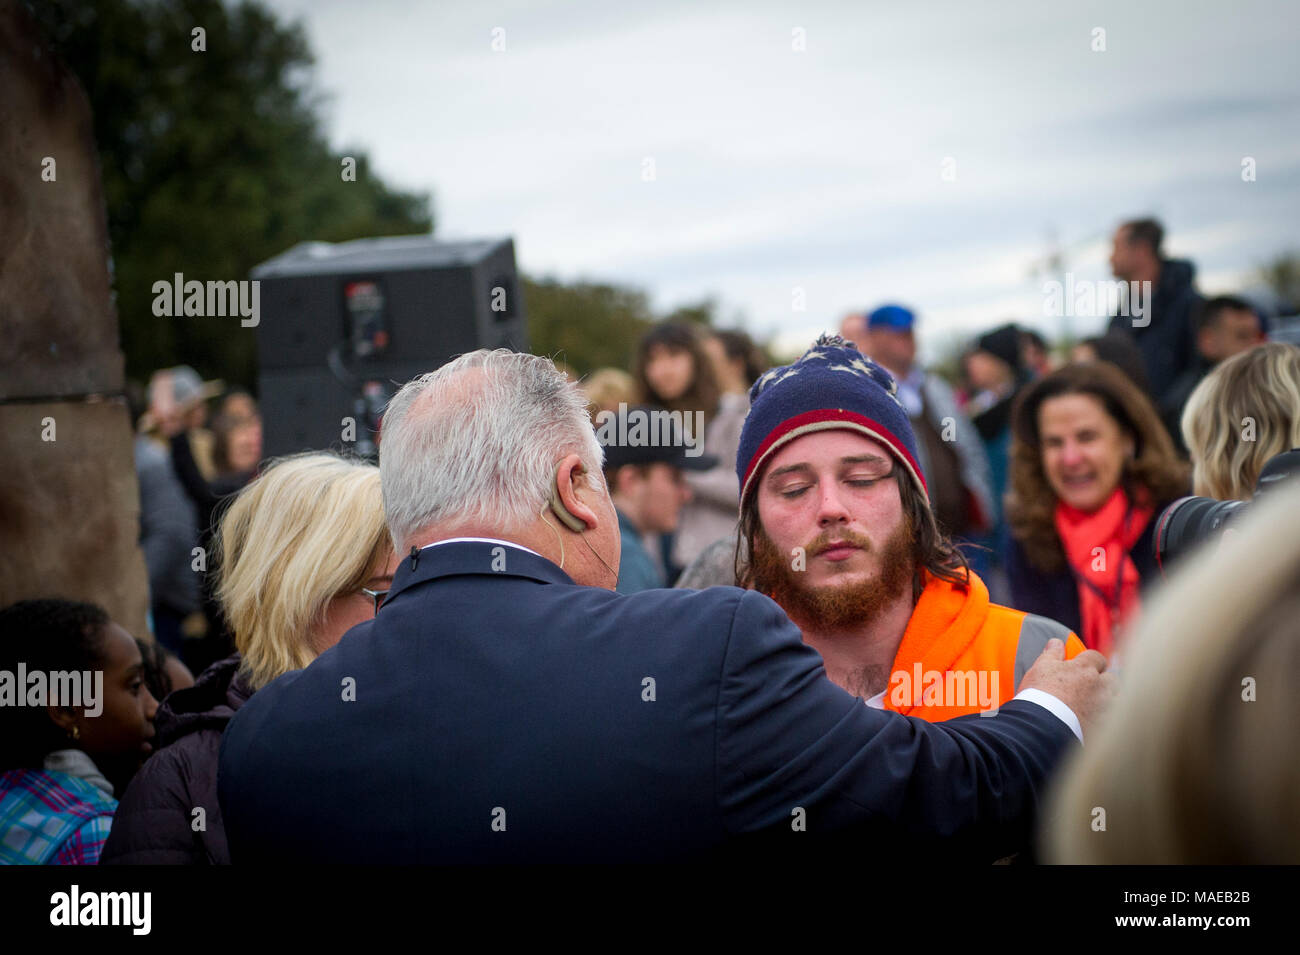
{"x": 833, "y": 386}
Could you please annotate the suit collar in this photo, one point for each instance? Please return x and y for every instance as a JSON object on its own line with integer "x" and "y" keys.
{"x": 480, "y": 540}
{"x": 472, "y": 558}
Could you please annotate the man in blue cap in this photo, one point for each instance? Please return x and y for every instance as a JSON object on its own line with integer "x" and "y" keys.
{"x": 949, "y": 449}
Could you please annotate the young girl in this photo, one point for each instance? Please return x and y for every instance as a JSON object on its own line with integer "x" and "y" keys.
{"x": 60, "y": 758}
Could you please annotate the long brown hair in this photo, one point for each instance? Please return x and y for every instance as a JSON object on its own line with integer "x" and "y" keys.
{"x": 1154, "y": 468}
{"x": 703, "y": 393}
{"x": 931, "y": 550}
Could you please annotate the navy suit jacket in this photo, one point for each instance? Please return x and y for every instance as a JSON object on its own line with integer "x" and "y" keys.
{"x": 500, "y": 712}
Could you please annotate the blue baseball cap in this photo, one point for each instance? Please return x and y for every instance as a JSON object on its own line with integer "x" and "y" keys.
{"x": 893, "y": 317}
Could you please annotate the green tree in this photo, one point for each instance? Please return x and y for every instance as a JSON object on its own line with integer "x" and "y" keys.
{"x": 588, "y": 325}
{"x": 1282, "y": 275}
{"x": 585, "y": 325}
{"x": 212, "y": 160}
{"x": 702, "y": 313}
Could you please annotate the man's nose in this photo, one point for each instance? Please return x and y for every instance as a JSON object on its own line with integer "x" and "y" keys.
{"x": 831, "y": 509}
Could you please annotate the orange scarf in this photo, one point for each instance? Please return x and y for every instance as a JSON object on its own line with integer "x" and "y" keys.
{"x": 1097, "y": 546}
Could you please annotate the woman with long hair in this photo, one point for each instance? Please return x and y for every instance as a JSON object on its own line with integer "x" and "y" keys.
{"x": 1091, "y": 468}
{"x": 710, "y": 514}
{"x": 673, "y": 371}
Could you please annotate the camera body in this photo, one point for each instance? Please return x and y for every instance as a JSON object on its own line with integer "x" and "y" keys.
{"x": 1189, "y": 521}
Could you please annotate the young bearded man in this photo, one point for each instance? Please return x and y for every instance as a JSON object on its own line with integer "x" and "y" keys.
{"x": 835, "y": 515}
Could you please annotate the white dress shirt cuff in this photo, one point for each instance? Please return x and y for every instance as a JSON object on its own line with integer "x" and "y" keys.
{"x": 1053, "y": 706}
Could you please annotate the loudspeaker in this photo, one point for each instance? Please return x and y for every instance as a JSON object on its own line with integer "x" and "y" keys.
{"x": 343, "y": 325}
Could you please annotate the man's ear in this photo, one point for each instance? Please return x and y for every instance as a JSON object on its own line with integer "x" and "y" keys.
{"x": 571, "y": 485}
{"x": 625, "y": 479}
{"x": 1205, "y": 339}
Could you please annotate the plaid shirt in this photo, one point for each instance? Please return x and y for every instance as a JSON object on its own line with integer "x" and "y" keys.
{"x": 52, "y": 818}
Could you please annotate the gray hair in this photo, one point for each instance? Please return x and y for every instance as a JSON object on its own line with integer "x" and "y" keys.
{"x": 477, "y": 441}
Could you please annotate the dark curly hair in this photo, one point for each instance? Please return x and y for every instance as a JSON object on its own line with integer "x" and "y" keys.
{"x": 154, "y": 657}
{"x": 1154, "y": 469}
{"x": 47, "y": 635}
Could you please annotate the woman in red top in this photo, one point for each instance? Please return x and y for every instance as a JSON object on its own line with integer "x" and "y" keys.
{"x": 1091, "y": 468}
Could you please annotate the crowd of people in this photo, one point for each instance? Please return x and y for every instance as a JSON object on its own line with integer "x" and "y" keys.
{"x": 507, "y": 641}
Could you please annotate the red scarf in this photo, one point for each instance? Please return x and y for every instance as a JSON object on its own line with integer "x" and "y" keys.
{"x": 1108, "y": 578}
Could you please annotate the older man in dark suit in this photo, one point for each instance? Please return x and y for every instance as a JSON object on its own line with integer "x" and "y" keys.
{"x": 506, "y": 704}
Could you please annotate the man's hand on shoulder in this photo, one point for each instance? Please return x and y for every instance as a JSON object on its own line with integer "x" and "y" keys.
{"x": 1082, "y": 684}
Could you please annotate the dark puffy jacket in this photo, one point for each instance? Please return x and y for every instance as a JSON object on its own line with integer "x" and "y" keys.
{"x": 1056, "y": 595}
{"x": 154, "y": 824}
{"x": 1167, "y": 342}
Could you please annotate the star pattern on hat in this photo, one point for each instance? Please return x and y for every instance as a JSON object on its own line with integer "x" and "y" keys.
{"x": 840, "y": 388}
{"x": 829, "y": 351}
{"x": 771, "y": 377}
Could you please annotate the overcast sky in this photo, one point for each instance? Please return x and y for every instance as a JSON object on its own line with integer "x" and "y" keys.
{"x": 777, "y": 169}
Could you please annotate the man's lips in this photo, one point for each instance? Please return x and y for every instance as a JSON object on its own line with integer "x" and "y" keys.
{"x": 838, "y": 550}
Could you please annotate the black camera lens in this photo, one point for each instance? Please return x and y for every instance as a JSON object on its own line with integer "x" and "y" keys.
{"x": 1187, "y": 522}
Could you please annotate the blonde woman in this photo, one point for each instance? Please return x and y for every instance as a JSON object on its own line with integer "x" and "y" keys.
{"x": 606, "y": 389}
{"x": 303, "y": 555}
{"x": 1244, "y": 412}
{"x": 1195, "y": 763}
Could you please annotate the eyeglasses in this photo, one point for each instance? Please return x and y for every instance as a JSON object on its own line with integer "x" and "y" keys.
{"x": 378, "y": 596}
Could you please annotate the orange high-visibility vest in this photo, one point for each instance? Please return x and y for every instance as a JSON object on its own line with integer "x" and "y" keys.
{"x": 962, "y": 654}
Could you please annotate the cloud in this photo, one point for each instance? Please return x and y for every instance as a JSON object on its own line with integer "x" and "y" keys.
{"x": 821, "y": 169}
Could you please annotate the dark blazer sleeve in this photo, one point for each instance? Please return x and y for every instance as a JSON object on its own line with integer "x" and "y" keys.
{"x": 788, "y": 739}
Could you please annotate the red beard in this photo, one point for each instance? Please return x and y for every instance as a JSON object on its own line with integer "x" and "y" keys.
{"x": 834, "y": 607}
